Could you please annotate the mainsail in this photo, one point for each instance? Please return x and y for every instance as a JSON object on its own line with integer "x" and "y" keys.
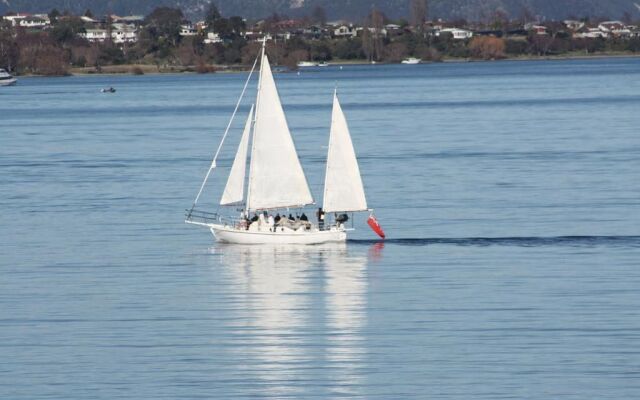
{"x": 234, "y": 191}
{"x": 276, "y": 178}
{"x": 343, "y": 189}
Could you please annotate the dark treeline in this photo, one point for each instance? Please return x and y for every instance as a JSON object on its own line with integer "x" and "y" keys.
{"x": 224, "y": 41}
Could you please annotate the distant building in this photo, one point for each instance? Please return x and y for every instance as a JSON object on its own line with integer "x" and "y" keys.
{"x": 345, "y": 31}
{"x": 573, "y": 25}
{"x": 590, "y": 33}
{"x": 89, "y": 20}
{"x": 124, "y": 33}
{"x": 95, "y": 35}
{"x": 212, "y": 37}
{"x": 457, "y": 33}
{"x": 615, "y": 28}
{"x": 28, "y": 20}
{"x": 120, "y": 33}
{"x": 188, "y": 30}
{"x": 34, "y": 22}
{"x": 536, "y": 29}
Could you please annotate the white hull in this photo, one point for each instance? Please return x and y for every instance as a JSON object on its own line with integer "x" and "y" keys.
{"x": 411, "y": 61}
{"x": 8, "y": 82}
{"x": 231, "y": 235}
{"x": 307, "y": 64}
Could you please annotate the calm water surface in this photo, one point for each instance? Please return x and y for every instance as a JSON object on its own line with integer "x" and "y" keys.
{"x": 510, "y": 193}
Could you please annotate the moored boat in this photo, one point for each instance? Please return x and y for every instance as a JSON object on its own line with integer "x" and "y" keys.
{"x": 276, "y": 183}
{"x": 307, "y": 64}
{"x": 411, "y": 61}
{"x": 6, "y": 79}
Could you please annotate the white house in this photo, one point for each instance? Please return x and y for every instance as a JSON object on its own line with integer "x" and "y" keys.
{"x": 345, "y": 31}
{"x": 457, "y": 33}
{"x": 590, "y": 33}
{"x": 95, "y": 35}
{"x": 124, "y": 33}
{"x": 212, "y": 37}
{"x": 34, "y": 22}
{"x": 188, "y": 30}
{"x": 28, "y": 20}
{"x": 120, "y": 33}
{"x": 573, "y": 25}
{"x": 614, "y": 28}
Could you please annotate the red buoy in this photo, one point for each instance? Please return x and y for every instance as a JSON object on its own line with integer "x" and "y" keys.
{"x": 373, "y": 223}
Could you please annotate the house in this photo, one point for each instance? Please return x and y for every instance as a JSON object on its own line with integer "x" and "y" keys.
{"x": 212, "y": 37}
{"x": 89, "y": 20}
{"x": 538, "y": 29}
{"x": 34, "y": 22}
{"x": 457, "y": 33}
{"x": 345, "y": 31}
{"x": 573, "y": 25}
{"x": 15, "y": 19}
{"x": 590, "y": 33}
{"x": 124, "y": 33}
{"x": 120, "y": 33}
{"x": 188, "y": 30}
{"x": 382, "y": 32}
{"x": 95, "y": 35}
{"x": 614, "y": 28}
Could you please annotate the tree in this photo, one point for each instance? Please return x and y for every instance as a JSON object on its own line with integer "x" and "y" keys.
{"x": 67, "y": 29}
{"x": 9, "y": 51}
{"x": 418, "y": 14}
{"x": 319, "y": 16}
{"x": 237, "y": 25}
{"x": 487, "y": 47}
{"x": 166, "y": 21}
{"x": 53, "y": 15}
{"x": 212, "y": 16}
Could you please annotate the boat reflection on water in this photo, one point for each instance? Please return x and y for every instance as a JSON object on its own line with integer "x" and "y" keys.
{"x": 300, "y": 315}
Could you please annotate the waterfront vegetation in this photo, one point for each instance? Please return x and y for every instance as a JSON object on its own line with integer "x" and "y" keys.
{"x": 165, "y": 42}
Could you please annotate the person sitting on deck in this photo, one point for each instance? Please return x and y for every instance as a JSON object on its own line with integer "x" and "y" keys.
{"x": 254, "y": 218}
{"x": 320, "y": 215}
{"x": 277, "y": 218}
{"x": 270, "y": 222}
{"x": 291, "y": 218}
{"x": 303, "y": 217}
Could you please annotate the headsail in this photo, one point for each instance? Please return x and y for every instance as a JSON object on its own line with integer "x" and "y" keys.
{"x": 276, "y": 178}
{"x": 343, "y": 189}
{"x": 234, "y": 191}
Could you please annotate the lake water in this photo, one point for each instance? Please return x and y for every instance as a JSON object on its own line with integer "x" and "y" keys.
{"x": 510, "y": 194}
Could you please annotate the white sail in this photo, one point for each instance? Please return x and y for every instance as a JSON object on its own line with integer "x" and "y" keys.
{"x": 276, "y": 178}
{"x": 234, "y": 191}
{"x": 343, "y": 189}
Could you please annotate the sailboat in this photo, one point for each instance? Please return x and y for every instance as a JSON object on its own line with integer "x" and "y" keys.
{"x": 276, "y": 184}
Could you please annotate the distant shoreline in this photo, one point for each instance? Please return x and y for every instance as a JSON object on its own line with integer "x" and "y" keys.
{"x": 145, "y": 69}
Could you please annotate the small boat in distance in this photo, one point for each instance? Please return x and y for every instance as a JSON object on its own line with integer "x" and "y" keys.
{"x": 108, "y": 90}
{"x": 307, "y": 64}
{"x": 276, "y": 185}
{"x": 6, "y": 79}
{"x": 411, "y": 61}
{"x": 323, "y": 64}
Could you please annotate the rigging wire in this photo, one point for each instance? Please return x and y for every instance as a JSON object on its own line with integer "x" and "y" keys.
{"x": 224, "y": 136}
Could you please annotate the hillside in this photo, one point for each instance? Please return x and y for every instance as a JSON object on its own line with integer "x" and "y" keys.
{"x": 345, "y": 9}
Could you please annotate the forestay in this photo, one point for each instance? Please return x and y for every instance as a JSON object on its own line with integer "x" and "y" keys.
{"x": 234, "y": 190}
{"x": 343, "y": 189}
{"x": 276, "y": 178}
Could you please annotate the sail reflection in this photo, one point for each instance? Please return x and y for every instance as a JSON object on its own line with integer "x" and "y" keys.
{"x": 300, "y": 317}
